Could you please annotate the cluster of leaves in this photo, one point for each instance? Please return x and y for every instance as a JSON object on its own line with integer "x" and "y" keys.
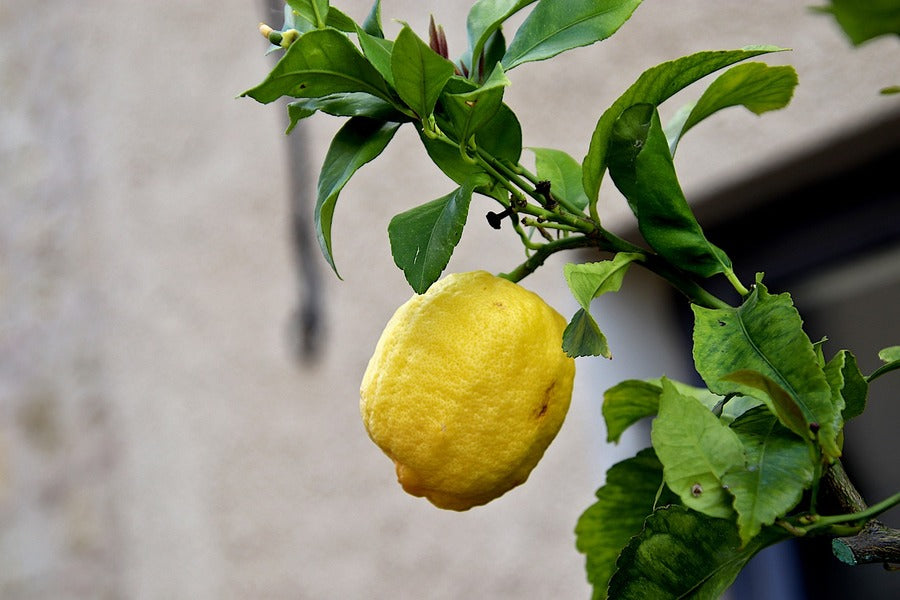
{"x": 731, "y": 463}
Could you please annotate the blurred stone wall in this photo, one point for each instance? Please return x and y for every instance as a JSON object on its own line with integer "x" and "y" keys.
{"x": 158, "y": 438}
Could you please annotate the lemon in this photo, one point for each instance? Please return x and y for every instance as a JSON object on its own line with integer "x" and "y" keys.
{"x": 467, "y": 387}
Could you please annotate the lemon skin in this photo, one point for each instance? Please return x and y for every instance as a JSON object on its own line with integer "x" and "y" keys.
{"x": 467, "y": 387}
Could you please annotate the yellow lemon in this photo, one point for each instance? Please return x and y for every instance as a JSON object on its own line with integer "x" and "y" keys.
{"x": 467, "y": 387}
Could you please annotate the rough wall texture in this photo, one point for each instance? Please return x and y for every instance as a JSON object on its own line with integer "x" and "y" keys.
{"x": 157, "y": 437}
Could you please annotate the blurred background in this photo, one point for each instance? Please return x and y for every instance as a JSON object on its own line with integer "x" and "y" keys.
{"x": 179, "y": 368}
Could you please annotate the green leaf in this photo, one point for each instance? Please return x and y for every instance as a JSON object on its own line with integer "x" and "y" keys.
{"x": 485, "y": 18}
{"x": 683, "y": 554}
{"x": 470, "y": 111}
{"x": 891, "y": 357}
{"x": 494, "y": 50}
{"x": 765, "y": 334}
{"x": 319, "y": 15}
{"x": 696, "y": 450}
{"x": 626, "y": 403}
{"x": 641, "y": 166}
{"x": 359, "y": 141}
{"x": 423, "y": 238}
{"x": 779, "y": 467}
{"x": 889, "y": 354}
{"x": 784, "y": 406}
{"x": 313, "y": 11}
{"x": 419, "y": 72}
{"x": 446, "y": 156}
{"x": 756, "y": 86}
{"x": 555, "y": 26}
{"x": 582, "y": 337}
{"x": 501, "y": 136}
{"x": 849, "y": 387}
{"x": 591, "y": 280}
{"x": 564, "y": 174}
{"x": 372, "y": 22}
{"x": 353, "y": 104}
{"x": 320, "y": 63}
{"x": 378, "y": 51}
{"x": 625, "y": 500}
{"x": 863, "y": 21}
{"x": 632, "y": 400}
{"x": 654, "y": 86}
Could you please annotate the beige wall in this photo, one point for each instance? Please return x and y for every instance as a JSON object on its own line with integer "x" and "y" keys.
{"x": 157, "y": 439}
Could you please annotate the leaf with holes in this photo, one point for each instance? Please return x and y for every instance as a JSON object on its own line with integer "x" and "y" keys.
{"x": 696, "y": 450}
{"x": 765, "y": 335}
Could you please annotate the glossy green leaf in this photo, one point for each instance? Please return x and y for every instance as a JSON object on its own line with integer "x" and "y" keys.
{"x": 353, "y": 104}
{"x": 470, "y": 111}
{"x": 564, "y": 174}
{"x": 447, "y": 157}
{"x": 696, "y": 450}
{"x": 625, "y": 500}
{"x": 372, "y": 22}
{"x": 555, "y": 26}
{"x": 626, "y": 403}
{"x": 582, "y": 337}
{"x": 684, "y": 554}
{"x": 359, "y": 141}
{"x": 849, "y": 388}
{"x": 654, "y": 86}
{"x": 779, "y": 468}
{"x": 419, "y": 72}
{"x": 485, "y": 18}
{"x": 494, "y": 51}
{"x": 765, "y": 334}
{"x": 320, "y": 63}
{"x": 378, "y": 51}
{"x": 756, "y": 86}
{"x": 423, "y": 238}
{"x": 642, "y": 168}
{"x": 865, "y": 20}
{"x": 501, "y": 136}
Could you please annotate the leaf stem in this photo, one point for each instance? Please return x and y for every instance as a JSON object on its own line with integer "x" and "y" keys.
{"x": 544, "y": 252}
{"x": 891, "y": 366}
{"x": 861, "y": 516}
